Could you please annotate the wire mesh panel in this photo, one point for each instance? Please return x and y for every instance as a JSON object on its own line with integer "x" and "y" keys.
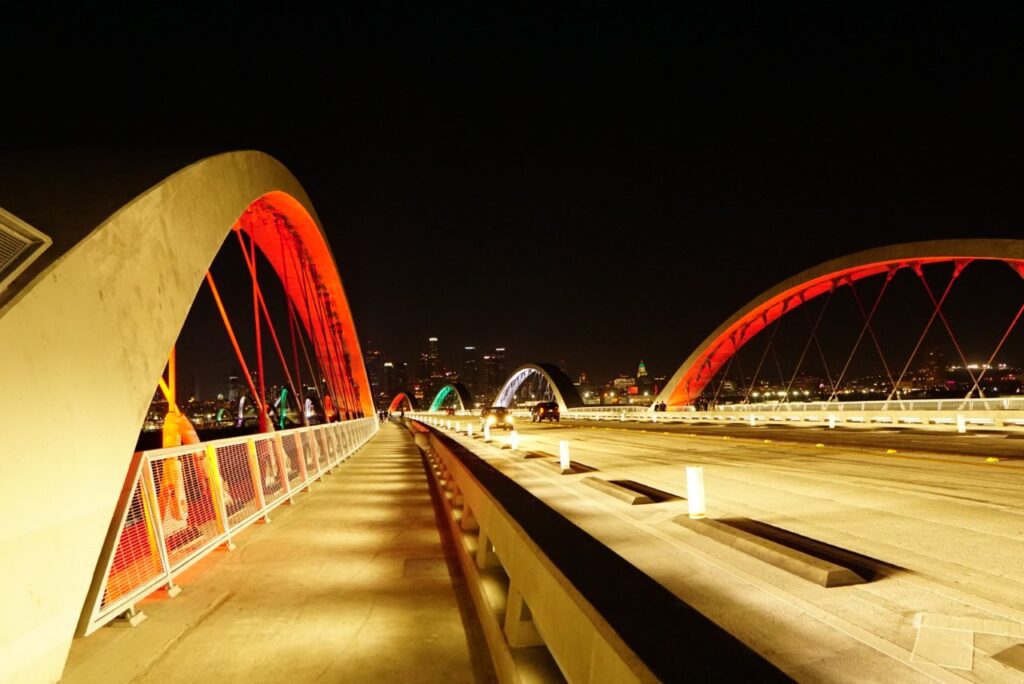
{"x": 237, "y": 486}
{"x": 325, "y": 447}
{"x": 291, "y": 459}
{"x": 342, "y": 431}
{"x": 308, "y": 451}
{"x": 187, "y": 510}
{"x": 136, "y": 560}
{"x": 271, "y": 481}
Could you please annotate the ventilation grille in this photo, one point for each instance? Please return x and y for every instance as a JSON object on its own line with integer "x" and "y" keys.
{"x": 12, "y": 246}
{"x": 20, "y": 244}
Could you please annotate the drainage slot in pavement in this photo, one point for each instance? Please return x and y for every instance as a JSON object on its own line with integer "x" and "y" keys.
{"x": 810, "y": 559}
{"x": 655, "y": 495}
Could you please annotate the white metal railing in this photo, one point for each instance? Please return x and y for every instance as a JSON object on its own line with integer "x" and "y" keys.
{"x": 994, "y": 404}
{"x": 181, "y": 503}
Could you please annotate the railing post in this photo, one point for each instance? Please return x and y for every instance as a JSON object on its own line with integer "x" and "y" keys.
{"x": 301, "y": 457}
{"x": 257, "y": 477}
{"x": 158, "y": 526}
{"x": 282, "y": 468}
{"x": 217, "y": 492}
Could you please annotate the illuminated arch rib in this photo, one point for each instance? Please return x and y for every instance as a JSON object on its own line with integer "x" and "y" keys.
{"x": 565, "y": 392}
{"x": 100, "y": 317}
{"x": 403, "y": 400}
{"x": 461, "y": 393}
{"x": 698, "y": 369}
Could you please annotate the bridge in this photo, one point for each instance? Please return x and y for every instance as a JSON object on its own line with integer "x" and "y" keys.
{"x": 864, "y": 529}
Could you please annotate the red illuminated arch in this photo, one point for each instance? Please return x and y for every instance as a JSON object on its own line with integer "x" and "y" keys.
{"x": 698, "y": 369}
{"x": 288, "y": 236}
{"x": 402, "y": 400}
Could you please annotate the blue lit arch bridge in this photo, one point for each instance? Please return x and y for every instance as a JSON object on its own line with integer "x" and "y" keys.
{"x": 838, "y": 459}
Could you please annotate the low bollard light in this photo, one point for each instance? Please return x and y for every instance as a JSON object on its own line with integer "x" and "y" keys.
{"x": 458, "y": 427}
{"x": 961, "y": 423}
{"x": 622, "y": 417}
{"x": 563, "y": 454}
{"x": 487, "y": 433}
{"x": 469, "y": 429}
{"x": 753, "y": 420}
{"x": 513, "y": 440}
{"x": 695, "y": 491}
{"x": 831, "y": 422}
{"x": 448, "y": 424}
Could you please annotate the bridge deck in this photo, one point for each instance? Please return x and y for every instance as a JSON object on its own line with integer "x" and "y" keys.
{"x": 354, "y": 583}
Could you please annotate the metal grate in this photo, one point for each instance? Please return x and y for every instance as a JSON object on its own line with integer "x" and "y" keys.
{"x": 291, "y": 459}
{"x": 137, "y": 557}
{"x": 240, "y": 500}
{"x": 188, "y": 516}
{"x": 20, "y": 245}
{"x": 11, "y": 247}
{"x": 326, "y": 451}
{"x": 266, "y": 458}
{"x": 309, "y": 451}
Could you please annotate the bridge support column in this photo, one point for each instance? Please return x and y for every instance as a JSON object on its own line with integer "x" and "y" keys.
{"x": 485, "y": 555}
{"x": 519, "y": 627}
{"x": 468, "y": 522}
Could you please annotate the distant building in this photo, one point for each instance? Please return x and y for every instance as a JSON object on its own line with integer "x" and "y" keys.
{"x": 470, "y": 373}
{"x": 495, "y": 373}
{"x": 374, "y": 362}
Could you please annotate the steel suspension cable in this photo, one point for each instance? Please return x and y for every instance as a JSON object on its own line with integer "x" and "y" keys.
{"x": 266, "y": 316}
{"x": 817, "y": 345}
{"x": 313, "y": 320}
{"x": 234, "y": 340}
{"x": 309, "y": 288}
{"x": 958, "y": 269}
{"x": 867, "y": 322}
{"x": 871, "y": 330}
{"x": 265, "y": 423}
{"x": 764, "y": 355}
{"x": 810, "y": 338}
{"x": 928, "y": 325}
{"x": 1002, "y": 341}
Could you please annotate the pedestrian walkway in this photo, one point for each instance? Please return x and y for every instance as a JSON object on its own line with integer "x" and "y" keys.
{"x": 354, "y": 583}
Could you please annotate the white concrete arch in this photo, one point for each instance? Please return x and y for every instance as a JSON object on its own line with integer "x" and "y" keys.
{"x": 99, "y": 321}
{"x": 565, "y": 392}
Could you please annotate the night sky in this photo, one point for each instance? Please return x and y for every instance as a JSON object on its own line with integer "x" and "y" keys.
{"x": 598, "y": 186}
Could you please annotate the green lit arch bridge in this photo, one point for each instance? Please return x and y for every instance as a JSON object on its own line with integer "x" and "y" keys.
{"x": 226, "y": 259}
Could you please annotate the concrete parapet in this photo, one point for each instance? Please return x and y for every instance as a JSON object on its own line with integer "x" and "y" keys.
{"x": 547, "y": 592}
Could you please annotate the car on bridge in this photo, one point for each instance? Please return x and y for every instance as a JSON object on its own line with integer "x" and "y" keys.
{"x": 545, "y": 410}
{"x": 497, "y": 416}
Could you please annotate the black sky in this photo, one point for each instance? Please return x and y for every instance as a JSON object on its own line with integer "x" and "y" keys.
{"x": 655, "y": 168}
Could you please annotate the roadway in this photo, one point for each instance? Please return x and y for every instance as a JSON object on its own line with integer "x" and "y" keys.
{"x": 935, "y": 528}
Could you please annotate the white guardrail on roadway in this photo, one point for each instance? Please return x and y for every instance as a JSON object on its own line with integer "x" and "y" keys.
{"x": 181, "y": 503}
{"x": 934, "y": 414}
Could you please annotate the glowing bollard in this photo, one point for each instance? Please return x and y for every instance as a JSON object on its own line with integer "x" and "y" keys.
{"x": 487, "y": 433}
{"x": 695, "y": 491}
{"x": 469, "y": 429}
{"x": 458, "y": 427}
{"x": 654, "y": 417}
{"x": 513, "y": 440}
{"x": 448, "y": 424}
{"x": 563, "y": 454}
{"x": 961, "y": 423}
{"x": 831, "y": 422}
{"x": 753, "y": 420}
{"x": 622, "y": 417}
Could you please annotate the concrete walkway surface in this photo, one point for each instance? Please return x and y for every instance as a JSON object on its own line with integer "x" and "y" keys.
{"x": 354, "y": 583}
